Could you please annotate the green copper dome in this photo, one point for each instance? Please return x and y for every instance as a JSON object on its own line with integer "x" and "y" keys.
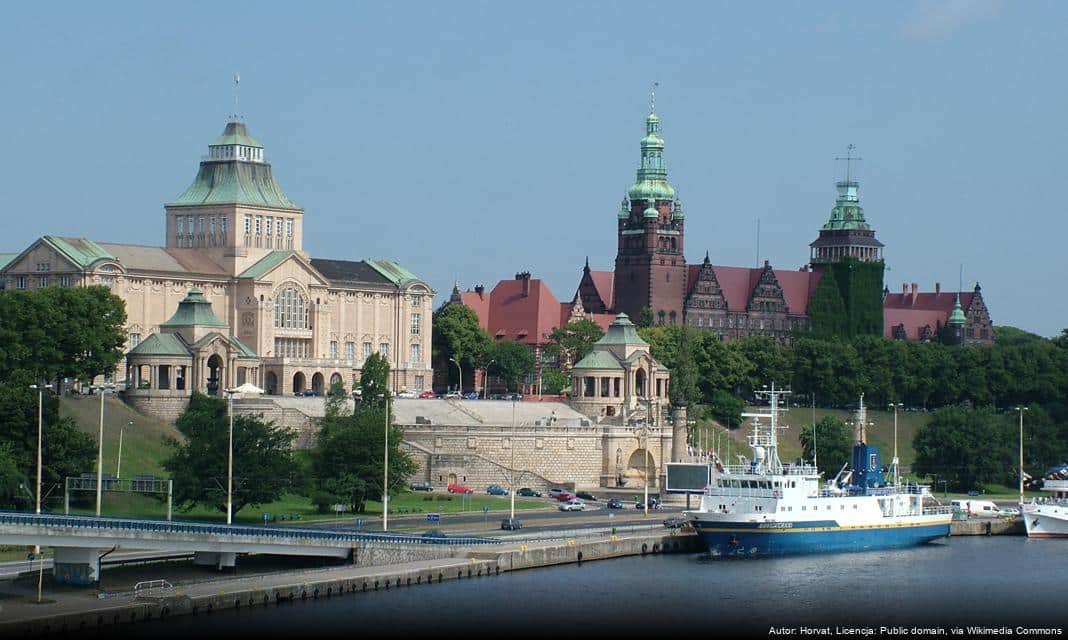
{"x": 676, "y": 211}
{"x": 957, "y": 316}
{"x": 847, "y": 214}
{"x": 624, "y": 210}
{"x": 651, "y": 211}
{"x": 651, "y": 181}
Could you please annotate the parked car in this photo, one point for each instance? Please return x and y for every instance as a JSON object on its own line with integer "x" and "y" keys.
{"x": 470, "y": 395}
{"x": 565, "y": 496}
{"x": 496, "y": 490}
{"x": 434, "y": 533}
{"x": 574, "y": 504}
{"x": 428, "y": 395}
{"x": 586, "y": 495}
{"x": 421, "y": 486}
{"x": 456, "y": 487}
{"x": 614, "y": 503}
{"x": 675, "y": 522}
{"x": 555, "y": 491}
{"x": 452, "y": 395}
{"x": 407, "y": 394}
{"x": 528, "y": 492}
{"x": 511, "y": 524}
{"x": 307, "y": 393}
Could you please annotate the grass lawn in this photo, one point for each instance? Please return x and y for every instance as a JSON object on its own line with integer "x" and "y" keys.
{"x": 142, "y": 443}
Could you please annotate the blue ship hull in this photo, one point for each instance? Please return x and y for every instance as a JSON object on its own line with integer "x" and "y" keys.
{"x": 748, "y": 541}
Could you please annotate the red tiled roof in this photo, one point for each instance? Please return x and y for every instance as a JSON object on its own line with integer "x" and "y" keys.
{"x": 602, "y": 319}
{"x": 942, "y": 301}
{"x": 913, "y": 319}
{"x": 797, "y": 289}
{"x": 693, "y": 272}
{"x": 604, "y": 281}
{"x": 480, "y": 305}
{"x": 526, "y": 318}
{"x": 737, "y": 284}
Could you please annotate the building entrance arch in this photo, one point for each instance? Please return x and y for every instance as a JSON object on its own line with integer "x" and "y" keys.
{"x": 272, "y": 383}
{"x": 216, "y": 371}
{"x": 636, "y": 466}
{"x": 640, "y": 383}
{"x": 299, "y": 382}
{"x": 452, "y": 478}
{"x": 317, "y": 384}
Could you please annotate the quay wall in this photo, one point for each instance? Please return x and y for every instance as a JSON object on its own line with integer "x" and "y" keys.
{"x": 987, "y": 527}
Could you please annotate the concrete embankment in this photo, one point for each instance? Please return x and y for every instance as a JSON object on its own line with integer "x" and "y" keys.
{"x": 202, "y": 598}
{"x": 987, "y": 527}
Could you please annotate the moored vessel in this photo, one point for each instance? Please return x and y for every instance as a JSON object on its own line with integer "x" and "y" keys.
{"x": 762, "y": 507}
{"x": 1048, "y": 518}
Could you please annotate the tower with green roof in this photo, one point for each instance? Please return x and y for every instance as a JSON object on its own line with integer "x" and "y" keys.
{"x": 650, "y": 227}
{"x": 848, "y": 300}
{"x": 234, "y": 211}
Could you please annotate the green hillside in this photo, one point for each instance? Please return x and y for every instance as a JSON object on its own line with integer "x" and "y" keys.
{"x": 142, "y": 443}
{"x": 881, "y": 435}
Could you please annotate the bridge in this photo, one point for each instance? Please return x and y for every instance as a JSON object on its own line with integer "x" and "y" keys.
{"x": 77, "y": 540}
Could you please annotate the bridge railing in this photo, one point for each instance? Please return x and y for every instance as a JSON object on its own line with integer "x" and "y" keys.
{"x": 105, "y": 523}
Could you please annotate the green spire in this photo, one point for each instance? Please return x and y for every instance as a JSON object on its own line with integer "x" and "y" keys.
{"x": 957, "y": 316}
{"x": 651, "y": 181}
{"x": 847, "y": 213}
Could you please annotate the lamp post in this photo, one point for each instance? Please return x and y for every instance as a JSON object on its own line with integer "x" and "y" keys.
{"x": 230, "y": 456}
{"x": 815, "y": 459}
{"x": 118, "y": 465}
{"x": 1021, "y": 410}
{"x": 40, "y": 424}
{"x": 643, "y": 441}
{"x": 511, "y": 489}
{"x": 895, "y": 406}
{"x": 460, "y": 385}
{"x": 102, "y": 388}
{"x": 485, "y": 383}
{"x": 385, "y": 470}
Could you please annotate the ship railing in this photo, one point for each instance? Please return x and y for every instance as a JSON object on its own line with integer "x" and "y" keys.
{"x": 787, "y": 470}
{"x": 932, "y": 511}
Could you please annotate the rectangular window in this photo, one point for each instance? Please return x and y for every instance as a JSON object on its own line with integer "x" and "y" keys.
{"x": 383, "y": 348}
{"x": 420, "y": 384}
{"x": 333, "y": 349}
{"x": 366, "y": 350}
{"x": 278, "y": 227}
{"x": 259, "y": 224}
{"x": 135, "y": 339}
{"x": 289, "y": 227}
{"x": 350, "y": 350}
{"x": 270, "y": 224}
{"x": 200, "y": 224}
{"x": 181, "y": 224}
{"x": 64, "y": 281}
{"x": 42, "y": 281}
{"x": 248, "y": 225}
{"x": 416, "y": 322}
{"x": 211, "y": 228}
{"x": 416, "y": 354}
{"x": 222, "y": 225}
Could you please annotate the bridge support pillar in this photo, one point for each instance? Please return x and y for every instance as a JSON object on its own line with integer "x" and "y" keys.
{"x": 76, "y": 565}
{"x": 217, "y": 559}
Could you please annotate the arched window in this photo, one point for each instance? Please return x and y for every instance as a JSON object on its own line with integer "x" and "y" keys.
{"x": 290, "y": 310}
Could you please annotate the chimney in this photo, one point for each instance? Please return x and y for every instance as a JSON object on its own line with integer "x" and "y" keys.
{"x": 904, "y": 289}
{"x": 479, "y": 289}
{"x": 938, "y": 288}
{"x": 915, "y": 292}
{"x": 525, "y": 277}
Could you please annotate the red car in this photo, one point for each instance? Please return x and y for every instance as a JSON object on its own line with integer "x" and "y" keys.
{"x": 459, "y": 488}
{"x": 428, "y": 395}
{"x": 564, "y": 496}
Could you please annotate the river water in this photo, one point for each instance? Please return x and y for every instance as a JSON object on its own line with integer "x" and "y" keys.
{"x": 999, "y": 581}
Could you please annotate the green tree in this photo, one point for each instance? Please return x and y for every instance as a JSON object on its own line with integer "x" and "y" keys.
{"x": 12, "y": 481}
{"x": 374, "y": 381}
{"x": 726, "y": 408}
{"x": 263, "y": 464}
{"x": 554, "y": 381}
{"x": 89, "y": 329}
{"x": 832, "y": 446}
{"x": 515, "y": 361}
{"x": 458, "y": 335}
{"x": 966, "y": 447}
{"x": 683, "y": 389}
{"x": 571, "y": 342}
{"x": 645, "y": 317}
{"x": 335, "y": 402}
{"x": 348, "y": 460}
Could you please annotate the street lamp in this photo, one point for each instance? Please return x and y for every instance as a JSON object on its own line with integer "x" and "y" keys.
{"x": 1021, "y": 410}
{"x": 643, "y": 441}
{"x": 40, "y": 423}
{"x": 100, "y": 446}
{"x": 118, "y": 465}
{"x": 385, "y": 470}
{"x": 511, "y": 489}
{"x": 460, "y": 385}
{"x": 230, "y": 456}
{"x": 895, "y": 406}
{"x": 485, "y": 382}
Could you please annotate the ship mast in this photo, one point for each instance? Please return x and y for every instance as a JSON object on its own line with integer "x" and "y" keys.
{"x": 764, "y": 443}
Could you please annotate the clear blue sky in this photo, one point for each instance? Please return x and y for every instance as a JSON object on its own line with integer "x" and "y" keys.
{"x": 473, "y": 140}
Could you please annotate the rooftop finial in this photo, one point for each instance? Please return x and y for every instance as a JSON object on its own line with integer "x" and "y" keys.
{"x": 849, "y": 158}
{"x": 237, "y": 81}
{"x": 652, "y": 98}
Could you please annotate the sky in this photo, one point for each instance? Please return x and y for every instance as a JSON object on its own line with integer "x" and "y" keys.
{"x": 473, "y": 140}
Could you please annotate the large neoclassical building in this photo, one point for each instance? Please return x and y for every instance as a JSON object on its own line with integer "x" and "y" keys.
{"x": 234, "y": 252}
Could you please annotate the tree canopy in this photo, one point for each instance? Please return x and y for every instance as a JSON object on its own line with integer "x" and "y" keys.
{"x": 832, "y": 446}
{"x": 514, "y": 361}
{"x": 571, "y": 342}
{"x": 458, "y": 335}
{"x": 263, "y": 464}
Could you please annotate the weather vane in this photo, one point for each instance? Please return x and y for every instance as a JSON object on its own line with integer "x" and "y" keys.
{"x": 849, "y": 158}
{"x": 237, "y": 81}
{"x": 652, "y": 98}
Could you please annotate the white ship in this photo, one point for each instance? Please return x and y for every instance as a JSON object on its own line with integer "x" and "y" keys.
{"x": 1048, "y": 518}
{"x": 763, "y": 507}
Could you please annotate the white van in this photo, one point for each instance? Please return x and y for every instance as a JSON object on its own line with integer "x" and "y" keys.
{"x": 981, "y": 508}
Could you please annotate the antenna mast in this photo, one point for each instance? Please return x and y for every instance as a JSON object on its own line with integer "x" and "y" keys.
{"x": 849, "y": 158}
{"x": 237, "y": 81}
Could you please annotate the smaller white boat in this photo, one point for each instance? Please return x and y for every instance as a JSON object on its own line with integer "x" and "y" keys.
{"x": 1048, "y": 517}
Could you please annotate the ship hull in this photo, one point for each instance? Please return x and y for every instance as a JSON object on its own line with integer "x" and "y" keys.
{"x": 747, "y": 540}
{"x": 1046, "y": 521}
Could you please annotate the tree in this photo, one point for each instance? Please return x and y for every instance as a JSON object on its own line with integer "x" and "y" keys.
{"x": 263, "y": 469}
{"x": 571, "y": 342}
{"x": 554, "y": 381}
{"x": 12, "y": 480}
{"x": 335, "y": 402}
{"x": 645, "y": 317}
{"x": 458, "y": 335}
{"x": 349, "y": 457}
{"x": 832, "y": 446}
{"x": 726, "y": 408}
{"x": 683, "y": 388}
{"x": 515, "y": 361}
{"x": 966, "y": 447}
{"x": 374, "y": 380}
